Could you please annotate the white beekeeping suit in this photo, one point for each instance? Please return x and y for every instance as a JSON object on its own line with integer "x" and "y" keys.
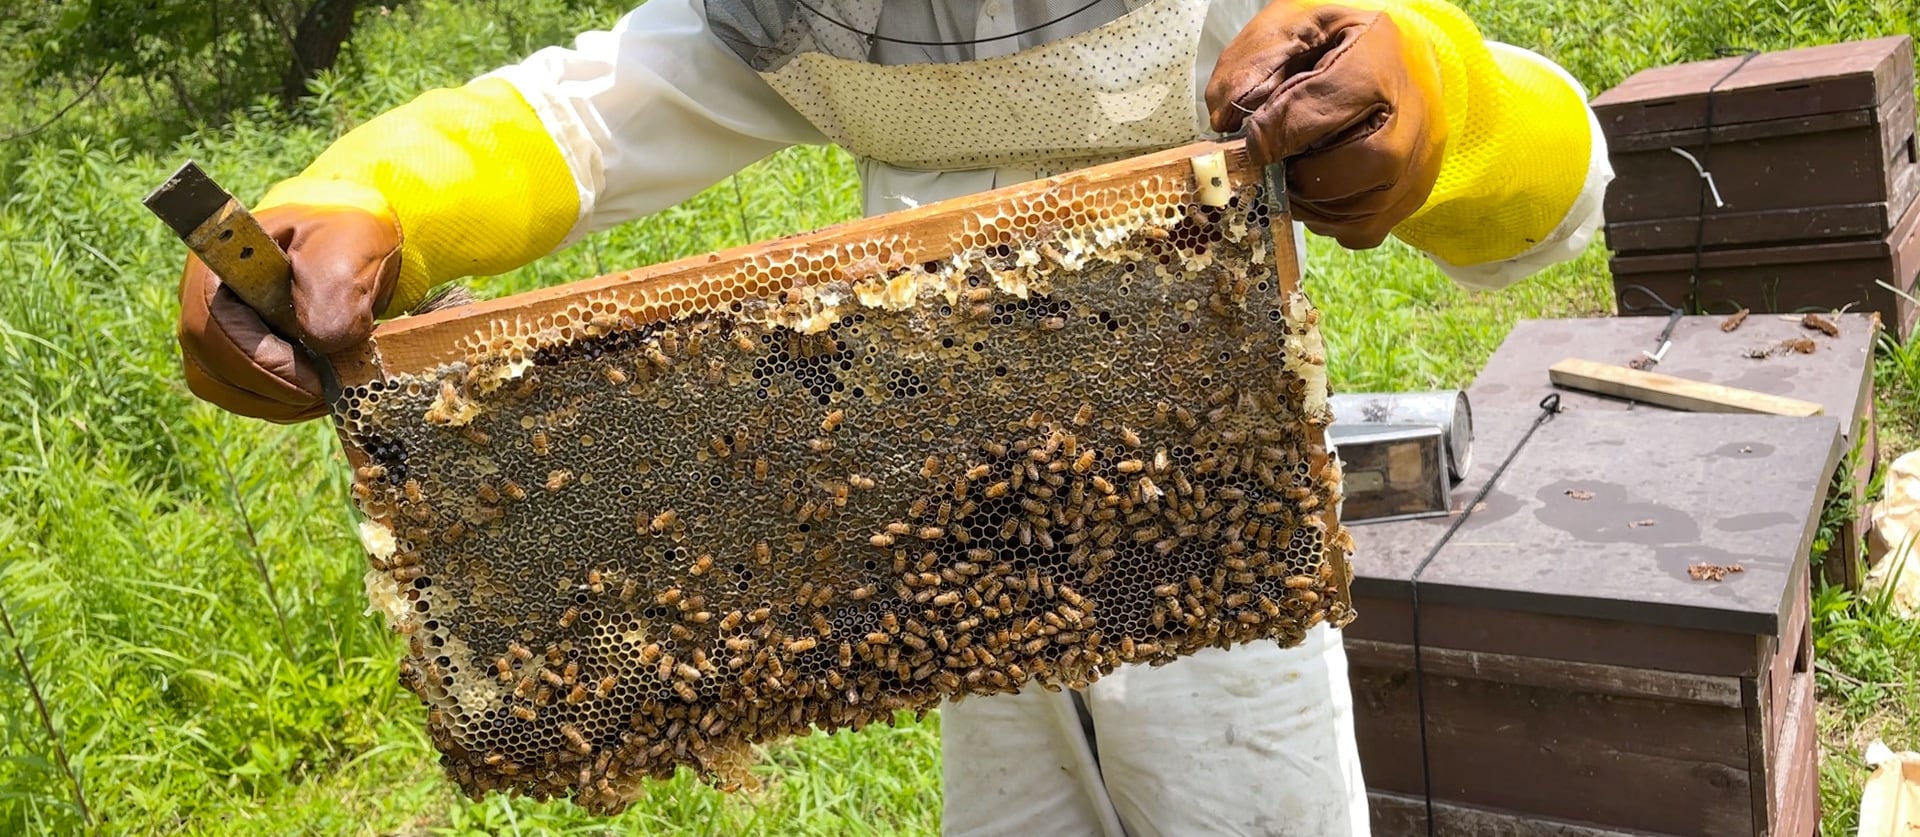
{"x": 938, "y": 99}
{"x": 665, "y": 104}
{"x": 1253, "y": 740}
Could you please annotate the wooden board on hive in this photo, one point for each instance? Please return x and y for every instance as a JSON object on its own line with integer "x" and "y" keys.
{"x": 1012, "y": 440}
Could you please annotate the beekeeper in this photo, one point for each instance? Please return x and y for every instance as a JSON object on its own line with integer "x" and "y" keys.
{"x": 1395, "y": 118}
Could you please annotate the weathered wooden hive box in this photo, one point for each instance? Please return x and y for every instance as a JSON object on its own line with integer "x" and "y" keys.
{"x": 1011, "y": 441}
{"x": 1852, "y": 275}
{"x": 1808, "y": 146}
{"x": 1616, "y": 640}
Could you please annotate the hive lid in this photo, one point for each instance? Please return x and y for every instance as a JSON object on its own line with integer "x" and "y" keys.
{"x": 1610, "y": 515}
{"x": 1851, "y": 75}
{"x": 1515, "y": 379}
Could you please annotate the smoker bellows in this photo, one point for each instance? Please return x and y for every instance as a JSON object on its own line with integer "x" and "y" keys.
{"x": 1008, "y": 441}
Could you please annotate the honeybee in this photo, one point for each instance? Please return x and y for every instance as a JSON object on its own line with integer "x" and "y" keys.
{"x": 575, "y": 739}
{"x": 662, "y": 521}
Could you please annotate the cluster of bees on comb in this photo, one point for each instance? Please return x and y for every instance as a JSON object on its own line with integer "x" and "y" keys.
{"x": 814, "y": 488}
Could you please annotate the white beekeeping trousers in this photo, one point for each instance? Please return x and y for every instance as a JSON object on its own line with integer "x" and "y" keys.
{"x": 1256, "y": 740}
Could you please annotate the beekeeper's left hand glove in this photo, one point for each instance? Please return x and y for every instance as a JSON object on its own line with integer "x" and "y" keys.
{"x": 1350, "y": 100}
{"x": 1398, "y": 117}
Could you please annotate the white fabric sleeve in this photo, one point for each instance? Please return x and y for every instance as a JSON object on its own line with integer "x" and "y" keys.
{"x": 1583, "y": 219}
{"x": 652, "y": 112}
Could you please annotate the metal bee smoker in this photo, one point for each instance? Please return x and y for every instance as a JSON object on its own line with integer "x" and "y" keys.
{"x": 1402, "y": 452}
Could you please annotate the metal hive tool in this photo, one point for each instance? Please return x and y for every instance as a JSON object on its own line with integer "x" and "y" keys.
{"x": 1008, "y": 441}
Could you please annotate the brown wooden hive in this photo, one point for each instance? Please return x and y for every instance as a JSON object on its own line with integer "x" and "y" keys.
{"x": 1013, "y": 440}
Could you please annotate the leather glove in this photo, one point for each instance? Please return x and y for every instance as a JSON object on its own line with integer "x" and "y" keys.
{"x": 469, "y": 172}
{"x": 1350, "y": 100}
{"x": 345, "y": 263}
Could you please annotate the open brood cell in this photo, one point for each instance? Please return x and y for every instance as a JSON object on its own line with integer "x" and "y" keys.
{"x": 1012, "y": 442}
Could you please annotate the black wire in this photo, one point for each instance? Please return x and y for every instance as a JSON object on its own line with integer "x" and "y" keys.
{"x": 1674, "y": 313}
{"x": 1549, "y": 406}
{"x": 1706, "y": 167}
{"x": 879, "y": 37}
{"x": 1658, "y": 300}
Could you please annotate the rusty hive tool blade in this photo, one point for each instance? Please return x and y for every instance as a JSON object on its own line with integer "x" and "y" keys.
{"x": 652, "y": 519}
{"x": 217, "y": 227}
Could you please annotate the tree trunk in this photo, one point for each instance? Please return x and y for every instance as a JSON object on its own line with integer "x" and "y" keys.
{"x": 316, "y": 44}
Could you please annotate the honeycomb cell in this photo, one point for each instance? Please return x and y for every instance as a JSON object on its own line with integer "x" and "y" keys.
{"x": 852, "y": 480}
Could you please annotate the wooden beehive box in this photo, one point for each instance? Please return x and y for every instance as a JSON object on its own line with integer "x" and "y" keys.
{"x": 1009, "y": 441}
{"x": 1807, "y": 145}
{"x": 1578, "y": 679}
{"x": 1881, "y": 275}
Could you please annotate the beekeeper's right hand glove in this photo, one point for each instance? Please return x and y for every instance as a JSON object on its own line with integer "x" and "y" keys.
{"x": 458, "y": 182}
{"x": 345, "y": 260}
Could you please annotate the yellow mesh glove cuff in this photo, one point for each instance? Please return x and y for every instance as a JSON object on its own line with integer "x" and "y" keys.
{"x": 476, "y": 182}
{"x": 1518, "y": 142}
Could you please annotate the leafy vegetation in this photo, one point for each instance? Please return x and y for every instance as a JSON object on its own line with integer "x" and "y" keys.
{"x": 183, "y": 638}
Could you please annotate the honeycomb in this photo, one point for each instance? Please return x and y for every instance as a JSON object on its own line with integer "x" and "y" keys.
{"x": 644, "y": 524}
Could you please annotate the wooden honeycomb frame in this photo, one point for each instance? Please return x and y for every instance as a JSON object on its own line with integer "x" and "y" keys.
{"x": 1014, "y": 440}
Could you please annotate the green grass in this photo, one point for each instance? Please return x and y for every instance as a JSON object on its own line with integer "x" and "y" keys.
{"x": 184, "y": 590}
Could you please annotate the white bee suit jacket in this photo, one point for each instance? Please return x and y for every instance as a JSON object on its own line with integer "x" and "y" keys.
{"x": 682, "y": 93}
